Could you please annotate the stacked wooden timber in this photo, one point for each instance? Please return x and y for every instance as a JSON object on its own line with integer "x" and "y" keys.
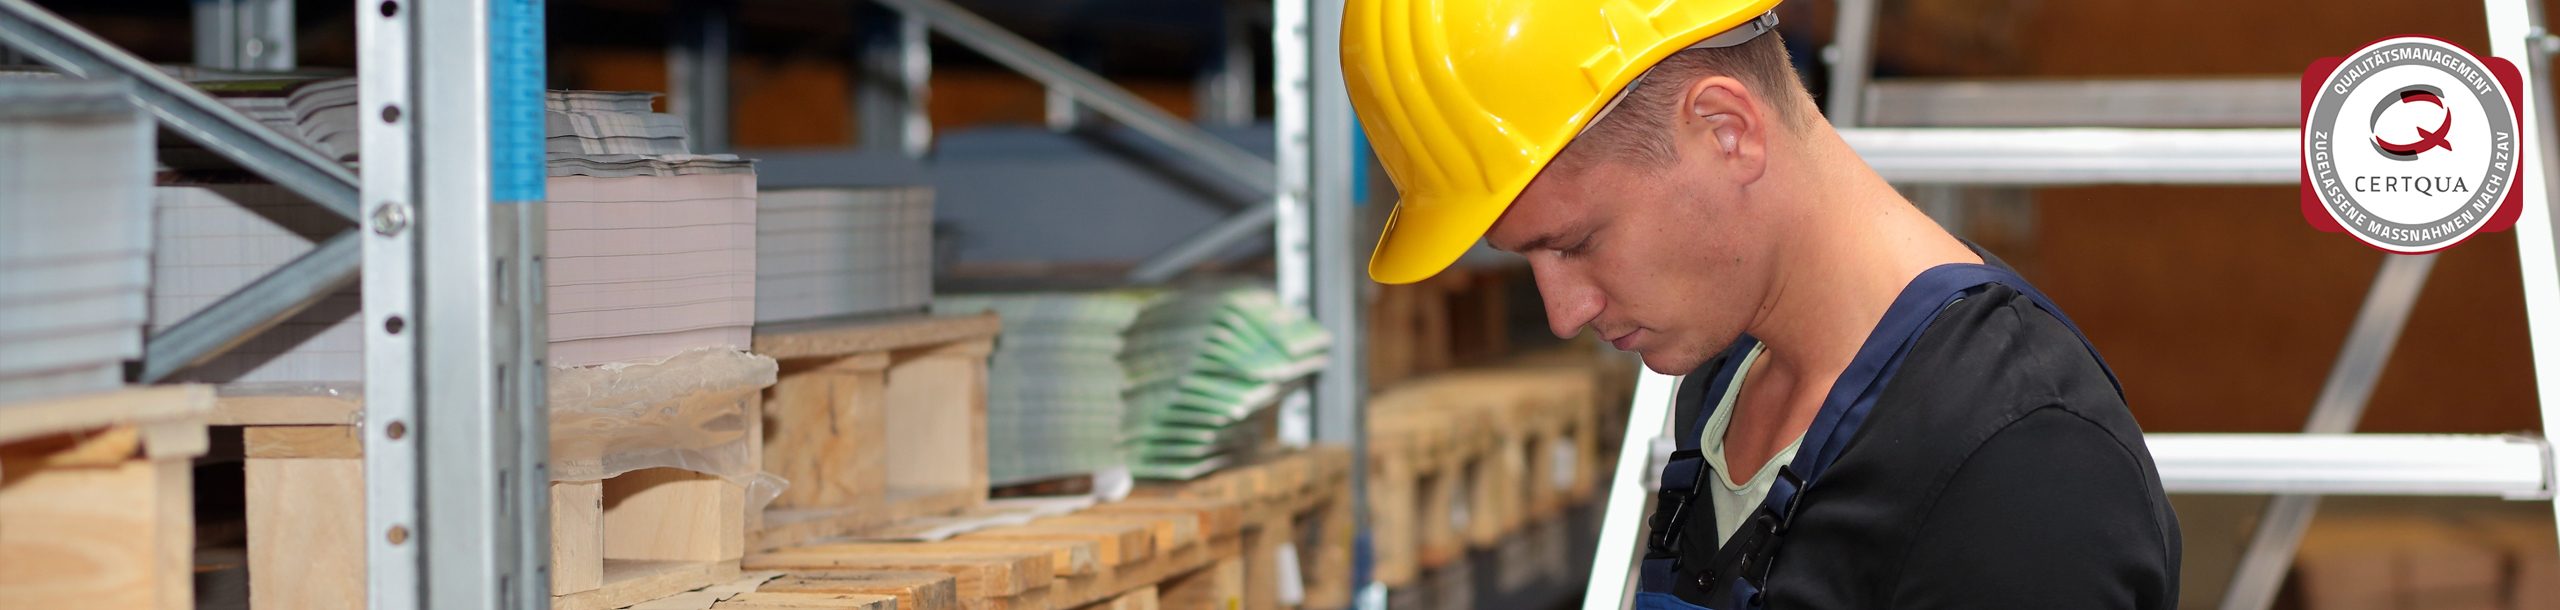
{"x": 1468, "y": 459}
{"x": 626, "y": 527}
{"x": 873, "y": 422}
{"x": 96, "y": 496}
{"x": 1298, "y": 530}
{"x": 1187, "y": 551}
{"x": 1461, "y": 317}
{"x": 2351, "y": 559}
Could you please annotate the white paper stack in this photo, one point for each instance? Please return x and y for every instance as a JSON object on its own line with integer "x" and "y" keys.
{"x": 824, "y": 252}
{"x": 75, "y": 201}
{"x": 653, "y": 257}
{"x": 210, "y": 240}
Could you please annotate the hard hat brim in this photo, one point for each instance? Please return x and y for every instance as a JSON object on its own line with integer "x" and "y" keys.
{"x": 1424, "y": 237}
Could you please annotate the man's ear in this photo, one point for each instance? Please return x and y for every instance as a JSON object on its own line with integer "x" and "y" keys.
{"x": 1722, "y": 115}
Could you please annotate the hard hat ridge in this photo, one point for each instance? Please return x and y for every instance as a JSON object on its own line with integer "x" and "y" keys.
{"x": 1465, "y": 101}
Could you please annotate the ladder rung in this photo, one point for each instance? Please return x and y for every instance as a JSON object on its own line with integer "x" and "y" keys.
{"x": 2080, "y": 155}
{"x": 2194, "y": 102}
{"x": 2514, "y": 467}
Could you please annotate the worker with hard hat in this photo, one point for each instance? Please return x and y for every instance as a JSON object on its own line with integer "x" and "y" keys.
{"x": 1875, "y": 415}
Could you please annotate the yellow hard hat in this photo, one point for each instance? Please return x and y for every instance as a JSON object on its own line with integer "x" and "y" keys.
{"x": 1466, "y": 100}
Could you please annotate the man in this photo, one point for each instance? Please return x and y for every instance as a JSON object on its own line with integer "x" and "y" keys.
{"x": 1876, "y": 414}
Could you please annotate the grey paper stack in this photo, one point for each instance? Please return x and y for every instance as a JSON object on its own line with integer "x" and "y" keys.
{"x": 652, "y": 248}
{"x": 609, "y": 123}
{"x": 210, "y": 239}
{"x": 1055, "y": 384}
{"x": 826, "y": 252}
{"x": 321, "y": 113}
{"x": 1201, "y": 364}
{"x": 75, "y": 235}
{"x": 649, "y": 253}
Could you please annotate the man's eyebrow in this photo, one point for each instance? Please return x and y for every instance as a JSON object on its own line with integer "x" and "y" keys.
{"x": 1540, "y": 243}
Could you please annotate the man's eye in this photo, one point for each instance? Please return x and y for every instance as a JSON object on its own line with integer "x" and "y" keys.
{"x": 1577, "y": 247}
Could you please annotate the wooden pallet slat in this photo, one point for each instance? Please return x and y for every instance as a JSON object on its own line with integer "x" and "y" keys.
{"x": 96, "y": 499}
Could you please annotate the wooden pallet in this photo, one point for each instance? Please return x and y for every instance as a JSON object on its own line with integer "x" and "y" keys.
{"x": 1297, "y": 509}
{"x": 844, "y": 387}
{"x": 631, "y": 538}
{"x": 1100, "y": 555}
{"x": 96, "y": 499}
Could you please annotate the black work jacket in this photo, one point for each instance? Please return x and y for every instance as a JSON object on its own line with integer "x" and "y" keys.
{"x": 1999, "y": 468}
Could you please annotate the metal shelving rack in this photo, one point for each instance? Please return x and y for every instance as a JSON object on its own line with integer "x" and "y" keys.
{"x": 444, "y": 236}
{"x": 2327, "y": 458}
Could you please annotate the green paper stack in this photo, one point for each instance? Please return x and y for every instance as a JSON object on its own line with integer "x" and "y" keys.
{"x": 1201, "y": 362}
{"x": 1055, "y": 386}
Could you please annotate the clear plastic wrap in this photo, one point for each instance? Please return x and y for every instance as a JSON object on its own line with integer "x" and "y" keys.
{"x": 687, "y": 411}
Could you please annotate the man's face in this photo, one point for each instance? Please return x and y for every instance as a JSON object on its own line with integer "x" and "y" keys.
{"x": 1667, "y": 262}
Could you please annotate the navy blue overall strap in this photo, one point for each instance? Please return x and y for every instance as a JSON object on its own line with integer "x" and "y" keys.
{"x": 1854, "y": 394}
{"x": 1682, "y": 471}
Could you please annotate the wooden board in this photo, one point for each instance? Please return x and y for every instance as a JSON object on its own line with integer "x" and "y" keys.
{"x": 914, "y": 590}
{"x": 829, "y": 338}
{"x": 96, "y": 499}
{"x": 780, "y": 527}
{"x": 1217, "y": 587}
{"x": 1114, "y": 543}
{"x": 287, "y": 410}
{"x": 892, "y": 430}
{"x": 829, "y": 430}
{"x": 666, "y": 514}
{"x": 141, "y": 405}
{"x": 628, "y": 582}
{"x": 1067, "y": 557}
{"x": 937, "y": 412}
{"x": 1141, "y": 598}
{"x": 979, "y": 574}
{"x": 306, "y": 532}
{"x": 764, "y": 600}
{"x": 577, "y": 536}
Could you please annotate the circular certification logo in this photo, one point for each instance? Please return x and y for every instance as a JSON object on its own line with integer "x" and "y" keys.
{"x": 2409, "y": 144}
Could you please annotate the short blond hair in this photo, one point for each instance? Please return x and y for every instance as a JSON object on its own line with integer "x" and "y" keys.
{"x": 1638, "y": 130}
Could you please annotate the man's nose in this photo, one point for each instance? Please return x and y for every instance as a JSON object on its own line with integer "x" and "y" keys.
{"x": 1571, "y": 301}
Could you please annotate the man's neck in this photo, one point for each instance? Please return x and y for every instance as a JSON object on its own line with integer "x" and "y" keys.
{"x": 1852, "y": 244}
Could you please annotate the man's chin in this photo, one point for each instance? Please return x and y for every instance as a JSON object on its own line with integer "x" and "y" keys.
{"x": 1670, "y": 364}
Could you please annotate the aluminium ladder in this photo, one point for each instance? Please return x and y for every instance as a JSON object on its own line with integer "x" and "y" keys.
{"x": 2327, "y": 458}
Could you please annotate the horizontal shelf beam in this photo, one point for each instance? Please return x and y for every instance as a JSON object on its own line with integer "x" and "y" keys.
{"x": 2086, "y": 155}
{"x": 2512, "y": 467}
{"x": 2274, "y": 101}
{"x": 47, "y": 38}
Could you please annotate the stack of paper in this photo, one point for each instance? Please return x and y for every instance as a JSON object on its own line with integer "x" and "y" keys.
{"x": 609, "y": 123}
{"x": 824, "y": 252}
{"x": 75, "y": 202}
{"x": 1160, "y": 382}
{"x": 212, "y": 239}
{"x": 650, "y": 257}
{"x": 321, "y": 113}
{"x": 650, "y": 250}
{"x": 1055, "y": 384}
{"x": 1203, "y": 361}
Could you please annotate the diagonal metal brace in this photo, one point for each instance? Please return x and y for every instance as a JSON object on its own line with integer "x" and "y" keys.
{"x": 1089, "y": 89}
{"x": 46, "y": 37}
{"x": 2341, "y": 404}
{"x": 254, "y": 308}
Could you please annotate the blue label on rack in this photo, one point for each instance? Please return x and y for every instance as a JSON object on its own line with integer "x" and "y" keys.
{"x": 516, "y": 76}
